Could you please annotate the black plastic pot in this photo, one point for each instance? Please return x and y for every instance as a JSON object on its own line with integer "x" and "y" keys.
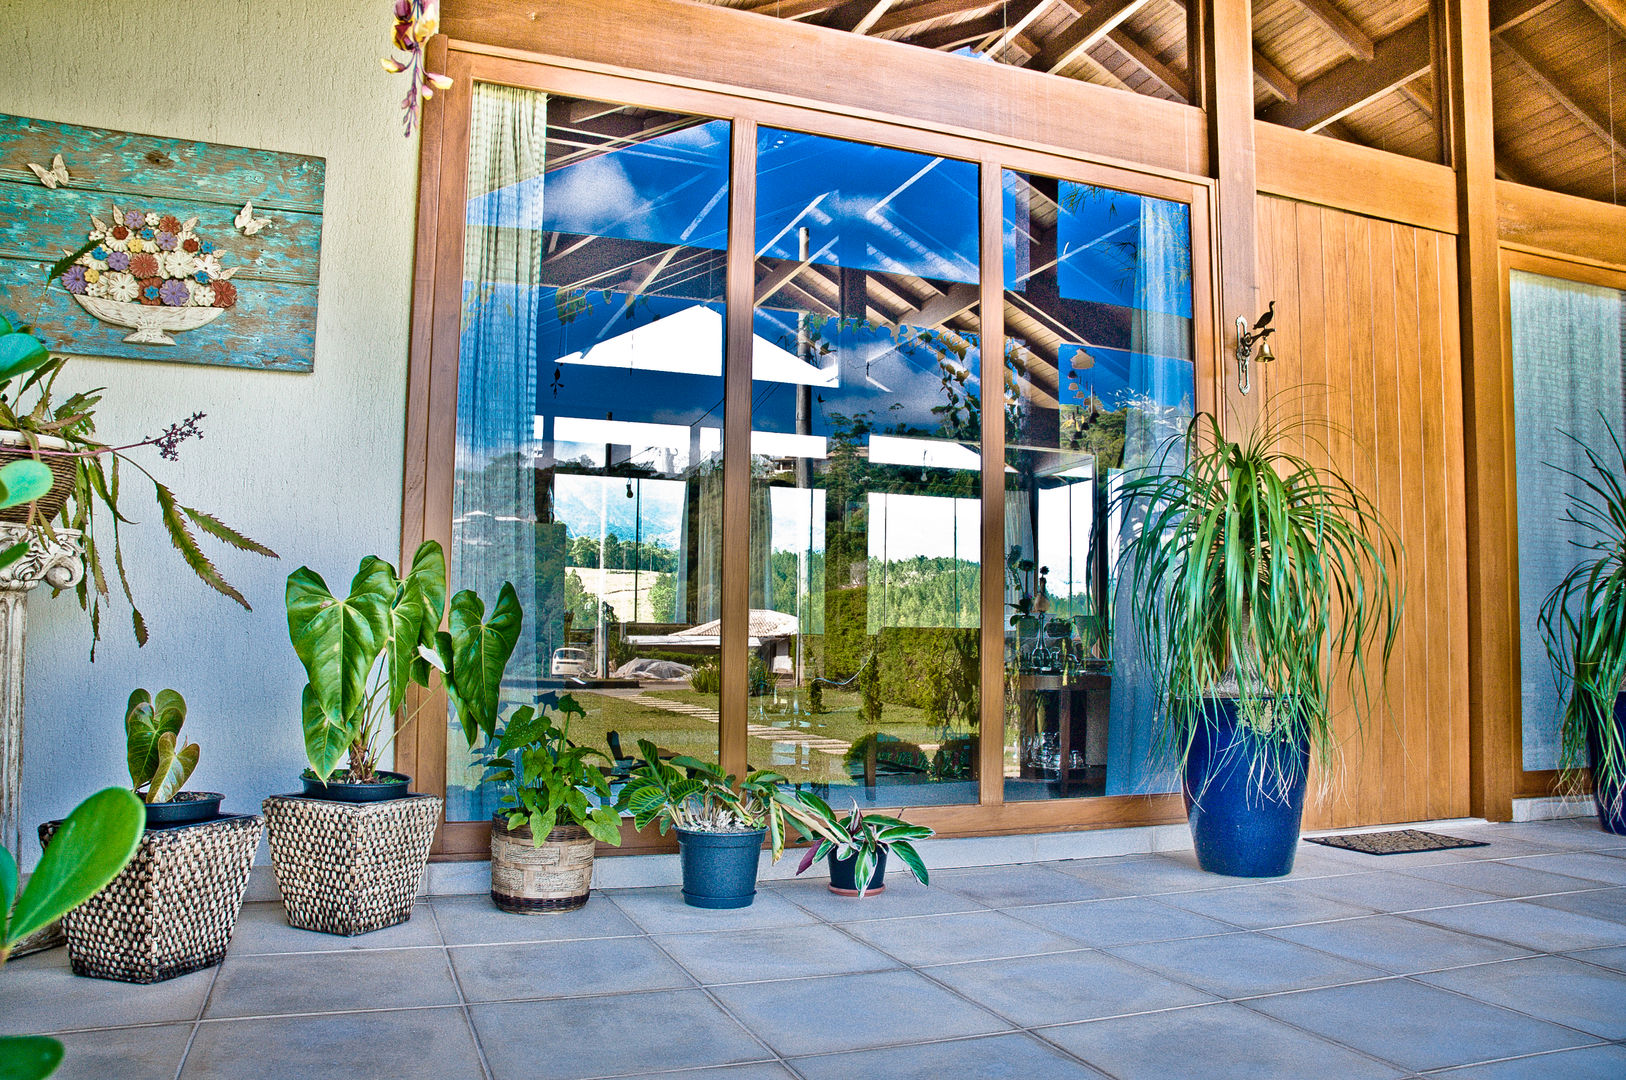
{"x": 186, "y": 808}
{"x": 391, "y": 785}
{"x": 719, "y": 868}
{"x": 844, "y": 876}
{"x": 1244, "y": 810}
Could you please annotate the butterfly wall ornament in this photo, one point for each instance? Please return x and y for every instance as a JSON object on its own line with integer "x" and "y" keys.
{"x": 246, "y": 222}
{"x": 54, "y": 177}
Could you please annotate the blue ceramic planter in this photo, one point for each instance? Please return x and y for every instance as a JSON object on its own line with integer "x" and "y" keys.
{"x": 1609, "y": 798}
{"x": 719, "y": 868}
{"x": 1244, "y": 812}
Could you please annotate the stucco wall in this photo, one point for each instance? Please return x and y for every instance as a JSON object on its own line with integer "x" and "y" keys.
{"x": 309, "y": 464}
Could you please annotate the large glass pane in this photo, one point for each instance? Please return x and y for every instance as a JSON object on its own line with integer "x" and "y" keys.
{"x": 590, "y": 412}
{"x": 865, "y": 469}
{"x": 1098, "y": 353}
{"x": 1569, "y": 348}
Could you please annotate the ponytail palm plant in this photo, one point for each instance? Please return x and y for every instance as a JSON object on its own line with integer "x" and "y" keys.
{"x": 1257, "y": 575}
{"x": 1583, "y": 623}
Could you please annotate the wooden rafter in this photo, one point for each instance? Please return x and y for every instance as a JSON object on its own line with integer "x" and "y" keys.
{"x": 1358, "y": 43}
{"x": 1273, "y": 78}
{"x": 1597, "y": 125}
{"x": 1082, "y": 34}
{"x": 856, "y": 16}
{"x": 1017, "y": 21}
{"x": 1155, "y": 69}
{"x": 960, "y": 34}
{"x": 1405, "y": 55}
{"x": 921, "y": 14}
{"x": 791, "y": 9}
{"x": 1612, "y": 12}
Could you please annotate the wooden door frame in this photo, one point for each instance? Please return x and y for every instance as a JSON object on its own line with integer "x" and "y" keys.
{"x": 432, "y": 384}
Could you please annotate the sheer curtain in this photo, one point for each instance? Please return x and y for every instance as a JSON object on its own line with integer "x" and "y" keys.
{"x": 1567, "y": 377}
{"x": 495, "y": 537}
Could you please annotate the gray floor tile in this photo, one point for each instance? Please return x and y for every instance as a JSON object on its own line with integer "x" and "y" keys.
{"x": 762, "y": 1070}
{"x": 1125, "y": 921}
{"x": 1144, "y": 875}
{"x": 149, "y": 1053}
{"x": 1258, "y": 906}
{"x": 475, "y": 920}
{"x": 994, "y": 1057}
{"x": 818, "y": 1016}
{"x": 944, "y": 939}
{"x": 1512, "y": 880}
{"x": 1606, "y": 904}
{"x": 1549, "y": 987}
{"x": 1064, "y": 987}
{"x": 412, "y": 1044}
{"x": 902, "y": 898}
{"x": 1211, "y": 1042}
{"x": 1614, "y": 957}
{"x": 1589, "y": 865}
{"x": 670, "y": 1029}
{"x": 1537, "y": 928}
{"x": 1589, "y": 1063}
{"x": 790, "y": 952}
{"x": 1387, "y": 891}
{"x": 662, "y": 911}
{"x": 1415, "y": 1026}
{"x": 332, "y": 982}
{"x": 563, "y": 969}
{"x": 263, "y": 928}
{"x": 1240, "y": 965}
{"x": 1398, "y": 945}
{"x": 39, "y": 994}
{"x": 1574, "y": 834}
{"x": 1013, "y": 886}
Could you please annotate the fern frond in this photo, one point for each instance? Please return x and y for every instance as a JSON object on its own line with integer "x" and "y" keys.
{"x": 187, "y": 545}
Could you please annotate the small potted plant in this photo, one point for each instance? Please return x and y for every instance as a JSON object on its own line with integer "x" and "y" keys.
{"x": 1256, "y": 582}
{"x": 1583, "y": 623}
{"x": 556, "y": 807}
{"x": 857, "y": 847}
{"x": 720, "y": 823}
{"x": 173, "y": 909}
{"x": 349, "y": 853}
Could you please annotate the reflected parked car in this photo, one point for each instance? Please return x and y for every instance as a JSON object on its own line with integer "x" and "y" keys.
{"x": 570, "y": 662}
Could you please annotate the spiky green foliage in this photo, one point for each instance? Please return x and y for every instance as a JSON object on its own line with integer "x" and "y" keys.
{"x": 863, "y": 837}
{"x": 1244, "y": 560}
{"x": 549, "y": 780}
{"x": 1583, "y": 624}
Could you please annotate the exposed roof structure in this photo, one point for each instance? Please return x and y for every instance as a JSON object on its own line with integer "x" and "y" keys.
{"x": 1357, "y": 70}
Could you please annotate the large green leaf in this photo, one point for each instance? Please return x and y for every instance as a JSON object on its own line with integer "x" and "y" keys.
{"x": 338, "y": 642}
{"x": 175, "y": 765}
{"x": 94, "y": 843}
{"x": 23, "y": 482}
{"x": 8, "y": 889}
{"x": 480, "y": 649}
{"x": 327, "y": 736}
{"x": 28, "y": 1057}
{"x": 145, "y": 719}
{"x": 20, "y": 352}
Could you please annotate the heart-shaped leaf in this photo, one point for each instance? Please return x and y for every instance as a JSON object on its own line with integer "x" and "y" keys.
{"x": 480, "y": 649}
{"x": 338, "y": 642}
{"x": 20, "y": 352}
{"x": 94, "y": 843}
{"x": 327, "y": 735}
{"x": 175, "y": 766}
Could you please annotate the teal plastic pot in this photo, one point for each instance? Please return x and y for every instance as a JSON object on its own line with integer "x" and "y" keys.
{"x": 719, "y": 868}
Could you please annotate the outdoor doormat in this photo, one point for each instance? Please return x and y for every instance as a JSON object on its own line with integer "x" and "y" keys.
{"x": 1396, "y": 842}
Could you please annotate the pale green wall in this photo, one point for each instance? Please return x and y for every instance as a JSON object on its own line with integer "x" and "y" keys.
{"x": 309, "y": 464}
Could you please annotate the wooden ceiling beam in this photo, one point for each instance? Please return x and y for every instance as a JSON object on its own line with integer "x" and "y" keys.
{"x": 1274, "y": 79}
{"x": 1079, "y": 36}
{"x": 1017, "y": 20}
{"x": 1155, "y": 69}
{"x": 1612, "y": 12}
{"x": 917, "y": 15}
{"x": 1506, "y": 14}
{"x": 1357, "y": 41}
{"x": 1597, "y": 125}
{"x": 1396, "y": 60}
{"x": 791, "y": 9}
{"x": 960, "y": 34}
{"x": 855, "y": 16}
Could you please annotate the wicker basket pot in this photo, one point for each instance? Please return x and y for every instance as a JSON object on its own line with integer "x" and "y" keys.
{"x": 13, "y": 447}
{"x": 349, "y": 868}
{"x": 172, "y": 909}
{"x": 546, "y": 880}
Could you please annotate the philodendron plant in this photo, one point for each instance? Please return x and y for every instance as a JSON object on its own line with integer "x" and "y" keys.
{"x": 551, "y": 777}
{"x": 363, "y": 651}
{"x": 160, "y": 763}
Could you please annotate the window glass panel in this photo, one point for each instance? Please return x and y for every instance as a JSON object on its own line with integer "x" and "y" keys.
{"x": 1568, "y": 360}
{"x": 866, "y": 458}
{"x": 1098, "y": 329}
{"x": 590, "y": 412}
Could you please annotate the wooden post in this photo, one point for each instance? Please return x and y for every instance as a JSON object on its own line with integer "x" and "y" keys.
{"x": 991, "y": 726}
{"x": 1227, "y": 94}
{"x": 1493, "y": 657}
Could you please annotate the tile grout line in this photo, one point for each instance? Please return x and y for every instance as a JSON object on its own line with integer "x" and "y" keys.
{"x": 462, "y": 998}
{"x": 197, "y": 1021}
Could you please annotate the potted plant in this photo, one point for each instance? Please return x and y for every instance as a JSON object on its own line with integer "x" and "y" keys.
{"x": 542, "y": 840}
{"x": 720, "y": 823}
{"x": 86, "y": 475}
{"x": 1583, "y": 623}
{"x": 349, "y": 852}
{"x": 857, "y": 846}
{"x": 173, "y": 909}
{"x": 1257, "y": 581}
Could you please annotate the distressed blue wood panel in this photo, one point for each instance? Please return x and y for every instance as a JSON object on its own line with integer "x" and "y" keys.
{"x": 271, "y": 326}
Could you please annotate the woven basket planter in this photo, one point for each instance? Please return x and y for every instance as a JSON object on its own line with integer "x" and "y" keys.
{"x": 14, "y": 448}
{"x": 546, "y": 880}
{"x": 172, "y": 910}
{"x": 349, "y": 868}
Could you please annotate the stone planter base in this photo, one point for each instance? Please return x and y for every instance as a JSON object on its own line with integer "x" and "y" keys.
{"x": 349, "y": 868}
{"x": 172, "y": 910}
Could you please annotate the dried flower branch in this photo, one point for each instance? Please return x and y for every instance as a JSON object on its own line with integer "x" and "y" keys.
{"x": 416, "y": 21}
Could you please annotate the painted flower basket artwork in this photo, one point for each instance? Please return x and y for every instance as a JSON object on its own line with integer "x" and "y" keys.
{"x": 152, "y": 274}
{"x": 147, "y": 248}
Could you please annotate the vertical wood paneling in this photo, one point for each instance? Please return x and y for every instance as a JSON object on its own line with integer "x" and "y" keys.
{"x": 1366, "y": 310}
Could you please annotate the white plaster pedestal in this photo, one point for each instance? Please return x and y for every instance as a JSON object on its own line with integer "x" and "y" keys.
{"x": 57, "y": 561}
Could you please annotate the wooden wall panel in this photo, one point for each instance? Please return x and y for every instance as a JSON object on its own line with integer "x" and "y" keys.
{"x": 1366, "y": 310}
